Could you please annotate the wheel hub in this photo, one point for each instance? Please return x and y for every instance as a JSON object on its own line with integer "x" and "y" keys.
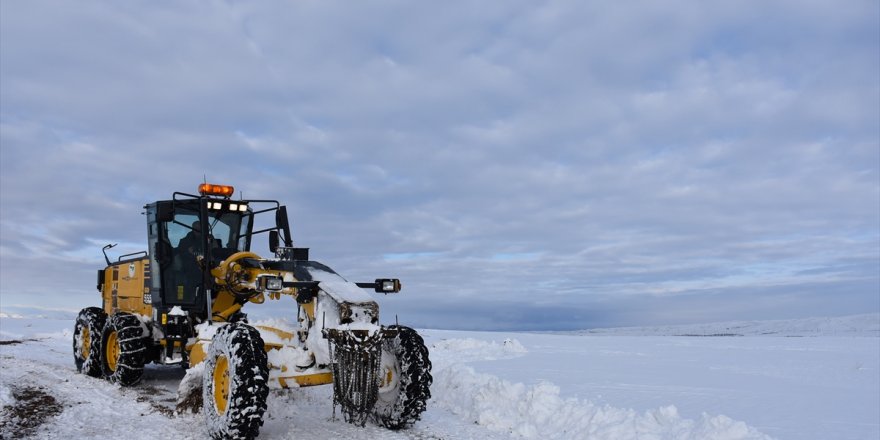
{"x": 85, "y": 343}
{"x": 389, "y": 373}
{"x": 221, "y": 384}
{"x": 112, "y": 351}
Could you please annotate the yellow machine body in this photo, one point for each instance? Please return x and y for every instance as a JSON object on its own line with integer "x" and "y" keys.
{"x": 126, "y": 287}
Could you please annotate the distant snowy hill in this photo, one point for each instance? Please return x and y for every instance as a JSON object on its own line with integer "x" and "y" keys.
{"x": 36, "y": 312}
{"x": 854, "y": 325}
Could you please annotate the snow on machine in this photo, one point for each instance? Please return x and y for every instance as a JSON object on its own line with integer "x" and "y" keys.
{"x": 181, "y": 303}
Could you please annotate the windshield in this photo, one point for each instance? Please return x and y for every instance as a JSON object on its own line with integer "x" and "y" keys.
{"x": 227, "y": 229}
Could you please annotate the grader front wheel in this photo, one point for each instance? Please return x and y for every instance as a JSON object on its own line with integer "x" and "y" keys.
{"x": 220, "y": 378}
{"x": 405, "y": 374}
{"x": 235, "y": 383}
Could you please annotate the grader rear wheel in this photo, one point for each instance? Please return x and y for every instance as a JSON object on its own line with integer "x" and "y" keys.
{"x": 123, "y": 348}
{"x": 87, "y": 340}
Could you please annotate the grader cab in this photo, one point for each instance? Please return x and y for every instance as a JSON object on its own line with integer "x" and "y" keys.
{"x": 181, "y": 302}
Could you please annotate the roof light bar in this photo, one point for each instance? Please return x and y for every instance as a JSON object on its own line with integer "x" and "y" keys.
{"x": 210, "y": 189}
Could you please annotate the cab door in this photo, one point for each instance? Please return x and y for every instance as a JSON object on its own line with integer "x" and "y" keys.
{"x": 179, "y": 281}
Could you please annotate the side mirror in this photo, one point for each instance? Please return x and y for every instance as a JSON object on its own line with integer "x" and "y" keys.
{"x": 273, "y": 241}
{"x": 283, "y": 224}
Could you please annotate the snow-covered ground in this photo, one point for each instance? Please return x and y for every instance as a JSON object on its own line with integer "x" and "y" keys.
{"x": 609, "y": 384}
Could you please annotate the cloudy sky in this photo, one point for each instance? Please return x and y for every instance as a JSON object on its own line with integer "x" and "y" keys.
{"x": 518, "y": 164}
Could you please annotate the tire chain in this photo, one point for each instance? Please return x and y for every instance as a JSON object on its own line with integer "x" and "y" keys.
{"x": 355, "y": 357}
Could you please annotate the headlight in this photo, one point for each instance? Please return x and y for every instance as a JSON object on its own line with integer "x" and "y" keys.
{"x": 272, "y": 283}
{"x": 388, "y": 285}
{"x": 383, "y": 285}
{"x": 230, "y": 206}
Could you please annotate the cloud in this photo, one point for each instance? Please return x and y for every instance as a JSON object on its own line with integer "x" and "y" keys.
{"x": 515, "y": 157}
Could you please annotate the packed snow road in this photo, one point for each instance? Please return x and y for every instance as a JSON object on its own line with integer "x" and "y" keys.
{"x": 495, "y": 386}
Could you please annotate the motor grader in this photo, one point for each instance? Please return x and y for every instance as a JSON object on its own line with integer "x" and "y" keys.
{"x": 182, "y": 302}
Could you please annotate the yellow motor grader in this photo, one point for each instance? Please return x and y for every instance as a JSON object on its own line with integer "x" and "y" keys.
{"x": 181, "y": 302}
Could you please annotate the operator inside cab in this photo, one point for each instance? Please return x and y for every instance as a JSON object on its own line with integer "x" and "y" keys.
{"x": 187, "y": 252}
{"x": 191, "y": 244}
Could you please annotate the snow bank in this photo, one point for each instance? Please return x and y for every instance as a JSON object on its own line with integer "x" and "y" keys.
{"x": 191, "y": 382}
{"x": 539, "y": 412}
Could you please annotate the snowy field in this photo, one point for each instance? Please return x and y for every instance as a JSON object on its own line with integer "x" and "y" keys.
{"x": 799, "y": 380}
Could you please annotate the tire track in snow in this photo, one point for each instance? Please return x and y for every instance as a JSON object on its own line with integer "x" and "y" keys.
{"x": 90, "y": 407}
{"x": 30, "y": 409}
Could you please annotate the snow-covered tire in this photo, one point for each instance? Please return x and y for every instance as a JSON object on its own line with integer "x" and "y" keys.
{"x": 87, "y": 340}
{"x": 235, "y": 383}
{"x": 123, "y": 348}
{"x": 405, "y": 371}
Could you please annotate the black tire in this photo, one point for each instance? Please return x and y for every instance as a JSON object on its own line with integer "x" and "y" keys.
{"x": 236, "y": 367}
{"x": 123, "y": 348}
{"x": 405, "y": 370}
{"x": 87, "y": 340}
